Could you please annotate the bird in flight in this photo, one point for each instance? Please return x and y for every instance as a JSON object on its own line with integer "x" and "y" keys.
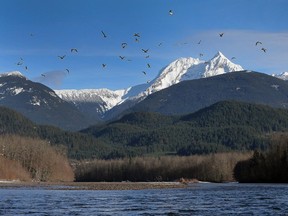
{"x": 68, "y": 71}
{"x": 145, "y": 51}
{"x": 201, "y": 54}
{"x": 124, "y": 45}
{"x": 199, "y": 42}
{"x": 137, "y": 35}
{"x": 144, "y": 72}
{"x": 104, "y": 35}
{"x": 62, "y": 57}
{"x": 26, "y": 68}
{"x": 160, "y": 44}
{"x": 20, "y": 63}
{"x": 122, "y": 57}
{"x": 258, "y": 42}
{"x": 171, "y": 12}
{"x": 148, "y": 65}
{"x": 103, "y": 65}
{"x": 74, "y": 50}
{"x": 221, "y": 34}
{"x": 264, "y": 50}
{"x": 233, "y": 58}
{"x": 43, "y": 75}
{"x": 147, "y": 56}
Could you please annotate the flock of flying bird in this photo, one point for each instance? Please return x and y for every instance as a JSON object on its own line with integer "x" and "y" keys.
{"x": 124, "y": 45}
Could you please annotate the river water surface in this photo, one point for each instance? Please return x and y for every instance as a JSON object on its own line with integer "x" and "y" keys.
{"x": 198, "y": 199}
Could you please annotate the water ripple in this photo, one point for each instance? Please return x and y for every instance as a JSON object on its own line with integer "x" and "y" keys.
{"x": 198, "y": 199}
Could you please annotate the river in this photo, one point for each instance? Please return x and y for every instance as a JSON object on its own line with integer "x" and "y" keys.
{"x": 198, "y": 199}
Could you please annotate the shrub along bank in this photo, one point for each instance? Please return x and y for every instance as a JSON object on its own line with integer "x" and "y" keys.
{"x": 214, "y": 168}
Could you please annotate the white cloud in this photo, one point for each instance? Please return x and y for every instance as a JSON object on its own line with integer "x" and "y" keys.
{"x": 241, "y": 44}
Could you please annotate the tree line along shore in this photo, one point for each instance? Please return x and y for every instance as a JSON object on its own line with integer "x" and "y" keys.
{"x": 30, "y": 159}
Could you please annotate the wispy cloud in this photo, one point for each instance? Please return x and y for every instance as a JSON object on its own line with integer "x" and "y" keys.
{"x": 242, "y": 45}
{"x": 53, "y": 79}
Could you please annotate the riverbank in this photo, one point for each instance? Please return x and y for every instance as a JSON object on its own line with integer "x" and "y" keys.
{"x": 92, "y": 185}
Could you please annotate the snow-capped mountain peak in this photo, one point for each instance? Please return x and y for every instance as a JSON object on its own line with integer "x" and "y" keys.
{"x": 13, "y": 73}
{"x": 190, "y": 68}
{"x": 219, "y": 64}
{"x": 172, "y": 74}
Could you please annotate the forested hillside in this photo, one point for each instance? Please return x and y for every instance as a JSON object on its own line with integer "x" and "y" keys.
{"x": 78, "y": 145}
{"x": 224, "y": 126}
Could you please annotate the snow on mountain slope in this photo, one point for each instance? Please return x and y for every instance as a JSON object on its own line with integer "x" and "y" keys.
{"x": 172, "y": 74}
{"x": 219, "y": 64}
{"x": 108, "y": 97}
{"x": 188, "y": 69}
{"x": 283, "y": 76}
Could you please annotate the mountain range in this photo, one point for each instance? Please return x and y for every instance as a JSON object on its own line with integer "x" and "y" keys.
{"x": 184, "y": 86}
{"x": 105, "y": 104}
{"x": 99, "y": 101}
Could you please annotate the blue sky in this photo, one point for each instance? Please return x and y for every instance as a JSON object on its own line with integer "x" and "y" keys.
{"x": 35, "y": 32}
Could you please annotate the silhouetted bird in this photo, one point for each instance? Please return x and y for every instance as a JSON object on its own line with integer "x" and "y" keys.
{"x": 26, "y": 68}
{"x": 144, "y": 72}
{"x": 258, "y": 42}
{"x": 124, "y": 45}
{"x": 221, "y": 34}
{"x": 199, "y": 42}
{"x": 233, "y": 58}
{"x": 104, "y": 35}
{"x": 68, "y": 71}
{"x": 171, "y": 12}
{"x": 147, "y": 56}
{"x": 62, "y": 57}
{"x": 148, "y": 65}
{"x": 145, "y": 51}
{"x": 74, "y": 50}
{"x": 122, "y": 57}
{"x": 19, "y": 63}
{"x": 201, "y": 54}
{"x": 43, "y": 75}
{"x": 264, "y": 50}
{"x": 103, "y": 65}
{"x": 137, "y": 35}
